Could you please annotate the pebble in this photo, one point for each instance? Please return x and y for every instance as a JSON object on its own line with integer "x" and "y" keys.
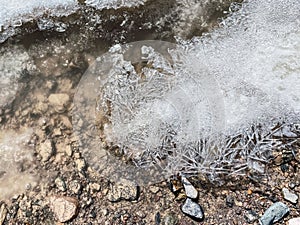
{"x": 190, "y": 190}
{"x": 294, "y": 221}
{"x": 3, "y": 212}
{"x": 81, "y": 165}
{"x": 192, "y": 209}
{"x": 289, "y": 196}
{"x": 123, "y": 190}
{"x": 75, "y": 186}
{"x": 46, "y": 150}
{"x": 60, "y": 184}
{"x": 274, "y": 213}
{"x": 250, "y": 216}
{"x": 59, "y": 101}
{"x": 65, "y": 208}
{"x": 170, "y": 219}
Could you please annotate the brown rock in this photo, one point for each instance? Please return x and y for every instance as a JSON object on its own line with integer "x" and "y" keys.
{"x": 65, "y": 208}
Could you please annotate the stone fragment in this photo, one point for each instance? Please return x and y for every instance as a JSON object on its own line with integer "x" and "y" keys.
{"x": 3, "y": 212}
{"x": 81, "y": 165}
{"x": 46, "y": 150}
{"x": 251, "y": 216}
{"x": 289, "y": 196}
{"x": 123, "y": 190}
{"x": 274, "y": 213}
{"x": 170, "y": 219}
{"x": 64, "y": 208}
{"x": 59, "y": 101}
{"x": 192, "y": 209}
{"x": 75, "y": 186}
{"x": 190, "y": 190}
{"x": 60, "y": 184}
{"x": 294, "y": 221}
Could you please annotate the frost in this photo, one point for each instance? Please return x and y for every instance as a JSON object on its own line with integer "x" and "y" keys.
{"x": 115, "y": 4}
{"x": 217, "y": 104}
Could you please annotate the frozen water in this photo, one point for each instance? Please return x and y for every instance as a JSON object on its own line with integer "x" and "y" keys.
{"x": 101, "y": 4}
{"x": 13, "y": 62}
{"x": 15, "y": 12}
{"x": 214, "y": 104}
{"x": 15, "y": 162}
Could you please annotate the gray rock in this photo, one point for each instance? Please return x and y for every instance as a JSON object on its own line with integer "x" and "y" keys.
{"x": 60, "y": 184}
{"x": 65, "y": 208}
{"x": 294, "y": 221}
{"x": 274, "y": 213}
{"x": 192, "y": 209}
{"x": 123, "y": 190}
{"x": 46, "y": 150}
{"x": 3, "y": 212}
{"x": 250, "y": 216}
{"x": 289, "y": 196}
{"x": 190, "y": 190}
{"x": 170, "y": 219}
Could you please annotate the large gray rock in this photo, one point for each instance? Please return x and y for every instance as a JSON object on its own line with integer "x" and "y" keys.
{"x": 274, "y": 213}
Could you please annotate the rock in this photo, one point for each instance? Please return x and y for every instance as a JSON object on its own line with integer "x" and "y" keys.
{"x": 289, "y": 196}
{"x": 274, "y": 213}
{"x": 250, "y": 216}
{"x": 81, "y": 165}
{"x": 46, "y": 150}
{"x": 3, "y": 212}
{"x": 75, "y": 186}
{"x": 229, "y": 201}
{"x": 123, "y": 190}
{"x": 170, "y": 219}
{"x": 294, "y": 221}
{"x": 60, "y": 184}
{"x": 59, "y": 101}
{"x": 190, "y": 191}
{"x": 192, "y": 209}
{"x": 65, "y": 208}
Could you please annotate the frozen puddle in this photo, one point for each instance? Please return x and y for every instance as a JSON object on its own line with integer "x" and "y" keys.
{"x": 218, "y": 104}
{"x": 16, "y": 160}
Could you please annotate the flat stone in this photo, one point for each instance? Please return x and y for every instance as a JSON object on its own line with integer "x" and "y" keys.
{"x": 46, "y": 150}
{"x": 192, "y": 209}
{"x": 294, "y": 221}
{"x": 59, "y": 101}
{"x": 190, "y": 190}
{"x": 3, "y": 212}
{"x": 123, "y": 190}
{"x": 289, "y": 196}
{"x": 274, "y": 213}
{"x": 65, "y": 208}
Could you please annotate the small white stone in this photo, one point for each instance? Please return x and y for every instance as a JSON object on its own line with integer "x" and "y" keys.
{"x": 46, "y": 150}
{"x": 190, "y": 190}
{"x": 289, "y": 196}
{"x": 294, "y": 221}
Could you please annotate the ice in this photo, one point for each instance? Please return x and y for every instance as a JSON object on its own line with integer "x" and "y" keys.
{"x": 15, "y": 12}
{"x": 115, "y": 4}
{"x": 16, "y": 159}
{"x": 14, "y": 61}
{"x": 214, "y": 104}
